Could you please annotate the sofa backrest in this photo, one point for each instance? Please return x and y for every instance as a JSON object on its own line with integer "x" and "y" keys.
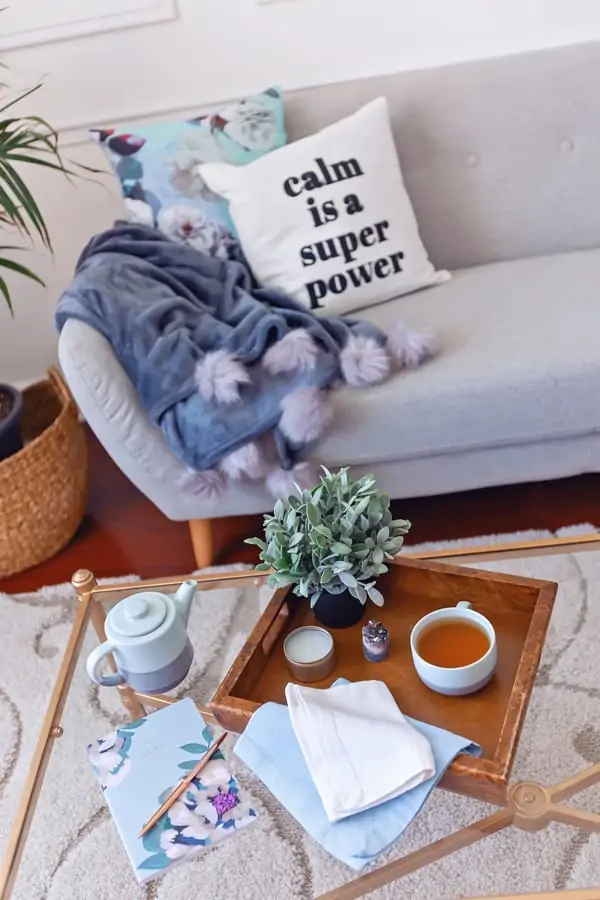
{"x": 501, "y": 157}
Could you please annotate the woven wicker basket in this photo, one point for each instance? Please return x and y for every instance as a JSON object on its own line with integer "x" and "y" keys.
{"x": 43, "y": 487}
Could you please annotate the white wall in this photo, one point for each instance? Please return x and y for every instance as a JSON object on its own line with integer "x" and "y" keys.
{"x": 210, "y": 50}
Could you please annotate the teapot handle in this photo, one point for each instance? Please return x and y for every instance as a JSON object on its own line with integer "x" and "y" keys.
{"x": 93, "y": 662}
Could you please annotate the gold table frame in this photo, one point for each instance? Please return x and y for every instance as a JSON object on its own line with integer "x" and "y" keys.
{"x": 530, "y": 806}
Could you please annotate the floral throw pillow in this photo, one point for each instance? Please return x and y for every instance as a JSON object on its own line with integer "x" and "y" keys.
{"x": 157, "y": 166}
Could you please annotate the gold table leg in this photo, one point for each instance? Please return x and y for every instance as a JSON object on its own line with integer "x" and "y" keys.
{"x": 531, "y": 807}
{"x": 51, "y": 731}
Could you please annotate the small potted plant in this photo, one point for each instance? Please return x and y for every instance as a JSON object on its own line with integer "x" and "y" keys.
{"x": 331, "y": 544}
{"x": 42, "y": 484}
{"x": 25, "y": 141}
{"x": 11, "y": 408}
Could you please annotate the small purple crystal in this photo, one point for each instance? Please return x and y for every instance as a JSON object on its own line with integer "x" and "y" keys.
{"x": 223, "y": 802}
{"x": 375, "y": 641}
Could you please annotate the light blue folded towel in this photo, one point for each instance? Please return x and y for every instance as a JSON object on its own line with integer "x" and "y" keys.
{"x": 269, "y": 747}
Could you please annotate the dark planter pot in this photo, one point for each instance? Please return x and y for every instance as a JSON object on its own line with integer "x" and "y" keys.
{"x": 338, "y": 610}
{"x": 10, "y": 427}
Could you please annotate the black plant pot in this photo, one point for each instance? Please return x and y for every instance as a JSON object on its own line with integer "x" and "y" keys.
{"x": 338, "y": 610}
{"x": 10, "y": 426}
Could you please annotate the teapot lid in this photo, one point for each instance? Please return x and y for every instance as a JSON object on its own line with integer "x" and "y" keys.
{"x": 138, "y": 615}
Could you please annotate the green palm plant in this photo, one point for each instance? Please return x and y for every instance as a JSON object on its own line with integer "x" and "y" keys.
{"x": 24, "y": 141}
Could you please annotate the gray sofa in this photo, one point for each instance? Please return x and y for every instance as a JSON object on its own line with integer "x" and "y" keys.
{"x": 502, "y": 162}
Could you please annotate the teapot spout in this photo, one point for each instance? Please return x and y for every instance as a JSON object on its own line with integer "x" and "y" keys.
{"x": 183, "y": 599}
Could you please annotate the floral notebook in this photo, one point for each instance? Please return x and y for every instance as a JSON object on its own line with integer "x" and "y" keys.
{"x": 139, "y": 764}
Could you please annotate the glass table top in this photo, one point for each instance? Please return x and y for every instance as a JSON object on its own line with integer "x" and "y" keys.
{"x": 545, "y": 840}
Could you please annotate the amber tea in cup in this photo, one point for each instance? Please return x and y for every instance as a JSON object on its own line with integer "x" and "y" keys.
{"x": 452, "y": 643}
{"x": 454, "y": 650}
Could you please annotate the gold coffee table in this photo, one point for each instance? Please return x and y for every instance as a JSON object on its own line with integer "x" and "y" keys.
{"x": 530, "y": 806}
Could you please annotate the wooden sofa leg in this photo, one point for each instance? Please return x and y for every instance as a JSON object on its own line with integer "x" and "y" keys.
{"x": 202, "y": 541}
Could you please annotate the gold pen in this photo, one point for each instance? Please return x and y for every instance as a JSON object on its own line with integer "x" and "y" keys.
{"x": 178, "y": 791}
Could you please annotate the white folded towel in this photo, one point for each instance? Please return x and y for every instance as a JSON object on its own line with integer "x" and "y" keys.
{"x": 359, "y": 748}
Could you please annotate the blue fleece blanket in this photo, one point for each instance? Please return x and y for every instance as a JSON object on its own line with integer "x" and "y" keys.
{"x": 163, "y": 306}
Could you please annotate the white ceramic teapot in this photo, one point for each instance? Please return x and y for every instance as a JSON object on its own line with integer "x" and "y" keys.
{"x": 147, "y": 634}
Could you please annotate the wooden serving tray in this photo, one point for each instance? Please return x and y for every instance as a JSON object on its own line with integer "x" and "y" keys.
{"x": 519, "y": 609}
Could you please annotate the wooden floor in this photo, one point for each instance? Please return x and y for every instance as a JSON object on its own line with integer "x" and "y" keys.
{"x": 123, "y": 533}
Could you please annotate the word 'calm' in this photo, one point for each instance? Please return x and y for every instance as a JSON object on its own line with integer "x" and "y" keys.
{"x": 312, "y": 180}
{"x": 346, "y": 246}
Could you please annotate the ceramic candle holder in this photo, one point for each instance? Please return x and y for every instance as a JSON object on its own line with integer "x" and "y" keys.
{"x": 309, "y": 653}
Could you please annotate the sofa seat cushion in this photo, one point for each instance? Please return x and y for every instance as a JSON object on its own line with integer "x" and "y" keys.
{"x": 519, "y": 362}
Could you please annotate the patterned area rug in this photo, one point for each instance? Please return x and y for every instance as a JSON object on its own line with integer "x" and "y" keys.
{"x": 74, "y": 851}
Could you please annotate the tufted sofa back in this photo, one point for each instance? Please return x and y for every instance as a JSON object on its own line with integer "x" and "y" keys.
{"x": 501, "y": 157}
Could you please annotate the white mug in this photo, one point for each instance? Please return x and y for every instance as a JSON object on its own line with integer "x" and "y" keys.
{"x": 462, "y": 680}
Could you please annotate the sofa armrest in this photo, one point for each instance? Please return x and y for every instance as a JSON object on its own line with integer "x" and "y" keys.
{"x": 110, "y": 404}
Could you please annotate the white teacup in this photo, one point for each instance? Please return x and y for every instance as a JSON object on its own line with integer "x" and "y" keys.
{"x": 455, "y": 682}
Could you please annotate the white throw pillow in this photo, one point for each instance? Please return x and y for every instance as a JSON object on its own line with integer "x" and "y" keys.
{"x": 327, "y": 219}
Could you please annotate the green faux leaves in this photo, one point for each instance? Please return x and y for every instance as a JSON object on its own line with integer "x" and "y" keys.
{"x": 333, "y": 538}
{"x": 24, "y": 141}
